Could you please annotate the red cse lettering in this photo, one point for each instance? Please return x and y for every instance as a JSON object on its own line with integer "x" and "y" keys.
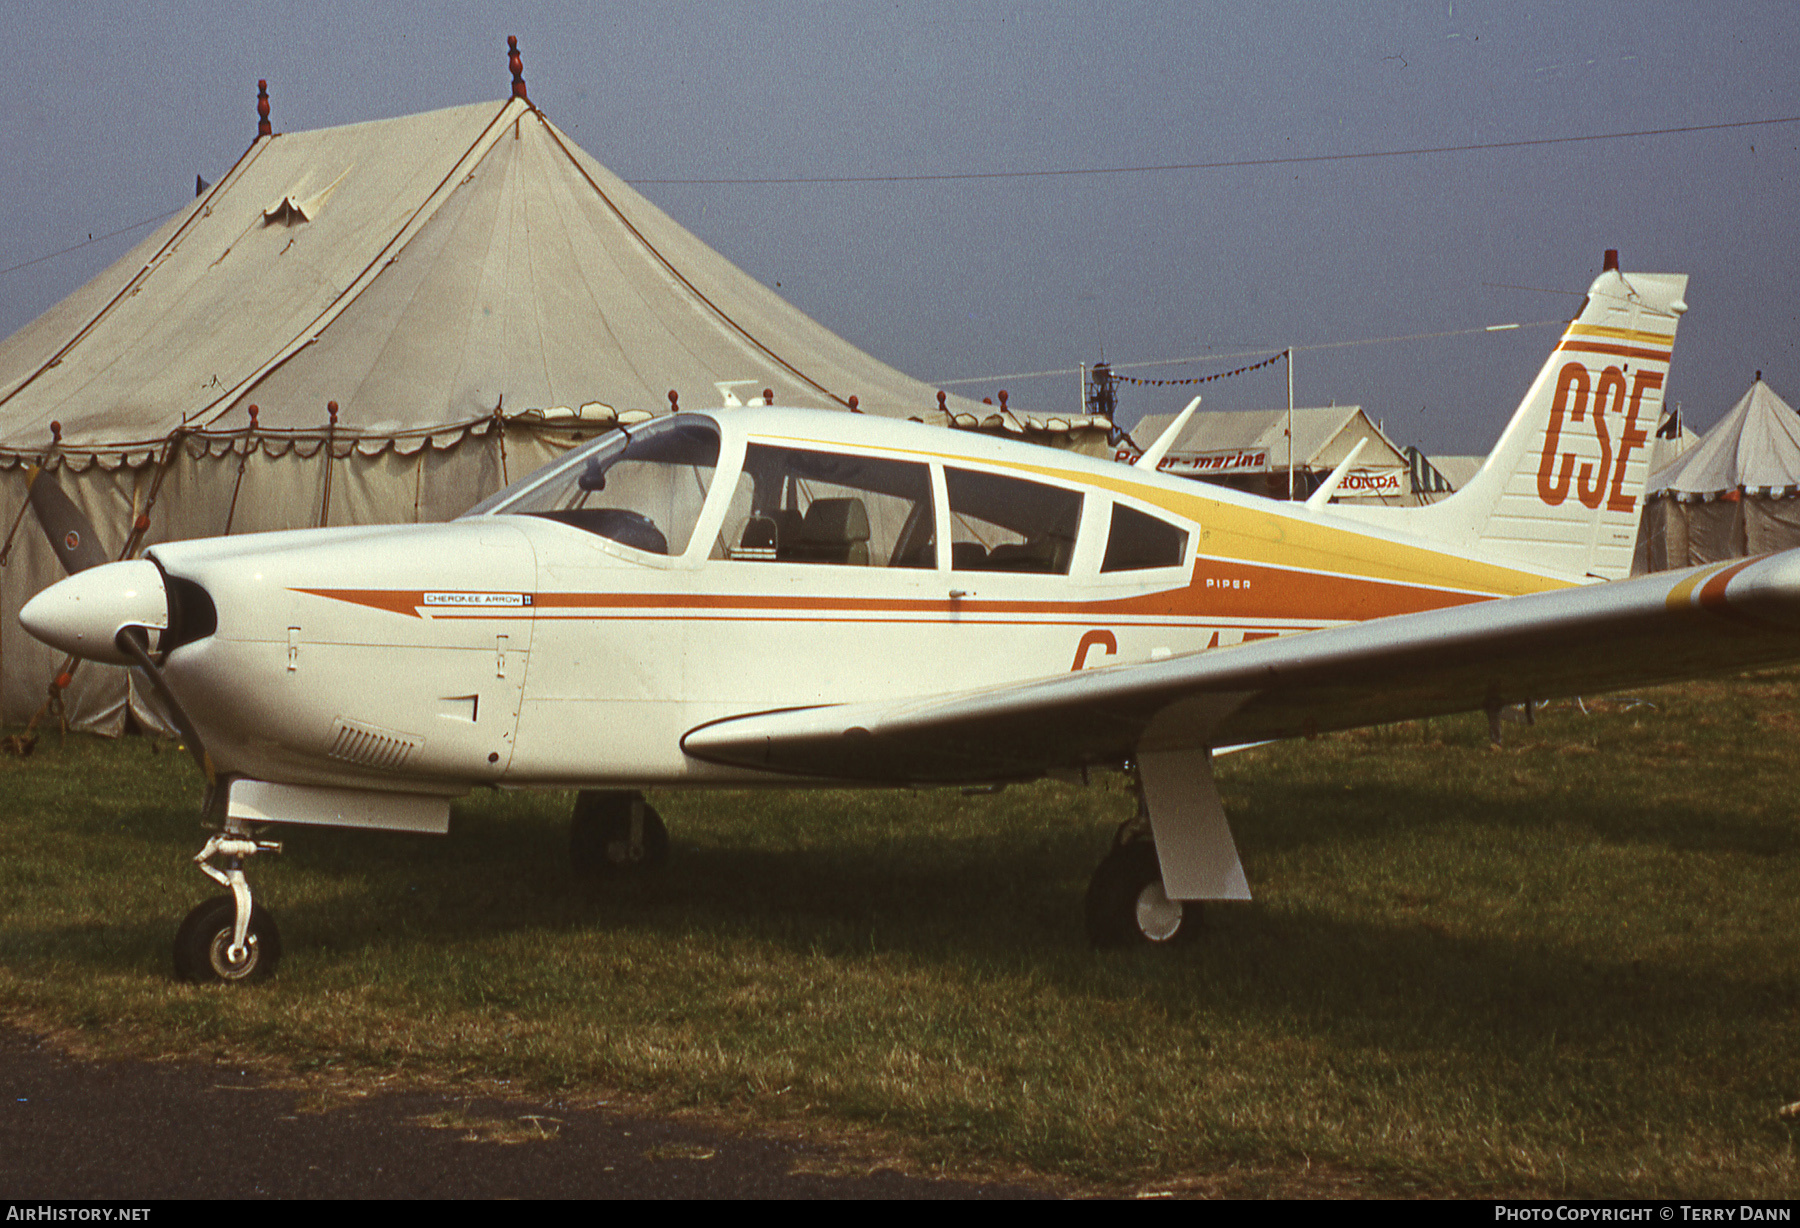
{"x": 1632, "y": 437}
{"x": 1575, "y": 376}
{"x": 1571, "y": 404}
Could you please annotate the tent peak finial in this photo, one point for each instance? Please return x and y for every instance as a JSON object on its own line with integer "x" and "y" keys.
{"x": 516, "y": 62}
{"x": 262, "y": 109}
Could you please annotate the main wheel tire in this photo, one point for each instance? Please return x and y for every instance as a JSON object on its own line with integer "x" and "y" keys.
{"x": 1127, "y": 907}
{"x": 203, "y": 944}
{"x": 600, "y": 837}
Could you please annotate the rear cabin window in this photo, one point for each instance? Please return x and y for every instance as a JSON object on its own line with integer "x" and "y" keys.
{"x": 1139, "y": 542}
{"x": 793, "y": 505}
{"x": 1010, "y": 524}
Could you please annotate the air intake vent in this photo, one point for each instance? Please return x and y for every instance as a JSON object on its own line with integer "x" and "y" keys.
{"x": 372, "y": 746}
{"x": 192, "y": 615}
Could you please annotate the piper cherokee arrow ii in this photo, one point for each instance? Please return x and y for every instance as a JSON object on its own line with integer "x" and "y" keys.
{"x": 771, "y": 596}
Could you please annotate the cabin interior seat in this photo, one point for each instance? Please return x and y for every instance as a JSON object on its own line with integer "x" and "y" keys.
{"x": 833, "y": 531}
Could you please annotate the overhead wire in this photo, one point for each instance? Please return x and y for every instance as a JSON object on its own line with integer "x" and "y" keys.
{"x": 1294, "y": 160}
{"x": 1257, "y": 352}
{"x": 92, "y": 239}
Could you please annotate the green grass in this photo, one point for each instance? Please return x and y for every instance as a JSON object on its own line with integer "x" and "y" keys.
{"x": 1563, "y": 968}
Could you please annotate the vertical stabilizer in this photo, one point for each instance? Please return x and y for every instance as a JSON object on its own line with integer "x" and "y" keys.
{"x": 1563, "y": 487}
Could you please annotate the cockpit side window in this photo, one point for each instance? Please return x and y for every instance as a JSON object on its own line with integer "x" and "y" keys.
{"x": 795, "y": 505}
{"x": 1010, "y": 524}
{"x": 642, "y": 487}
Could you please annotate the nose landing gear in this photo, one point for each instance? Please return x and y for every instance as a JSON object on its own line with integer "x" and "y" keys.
{"x": 229, "y": 938}
{"x": 207, "y": 947}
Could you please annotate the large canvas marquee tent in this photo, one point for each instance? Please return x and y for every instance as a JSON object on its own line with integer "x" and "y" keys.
{"x": 379, "y": 323}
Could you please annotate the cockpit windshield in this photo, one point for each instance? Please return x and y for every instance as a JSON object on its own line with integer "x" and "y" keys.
{"x": 640, "y": 486}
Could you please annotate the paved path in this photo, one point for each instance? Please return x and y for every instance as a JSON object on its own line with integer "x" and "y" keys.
{"x": 72, "y": 1129}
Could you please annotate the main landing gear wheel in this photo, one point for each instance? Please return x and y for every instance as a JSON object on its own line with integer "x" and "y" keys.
{"x": 203, "y": 944}
{"x": 615, "y": 834}
{"x": 1126, "y": 904}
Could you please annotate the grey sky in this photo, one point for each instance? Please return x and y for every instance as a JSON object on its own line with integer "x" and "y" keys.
{"x": 118, "y": 110}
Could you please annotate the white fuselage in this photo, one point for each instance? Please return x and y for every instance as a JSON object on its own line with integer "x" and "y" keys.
{"x": 515, "y": 649}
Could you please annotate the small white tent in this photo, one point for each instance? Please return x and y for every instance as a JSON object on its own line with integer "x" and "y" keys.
{"x": 379, "y": 323}
{"x": 1734, "y": 493}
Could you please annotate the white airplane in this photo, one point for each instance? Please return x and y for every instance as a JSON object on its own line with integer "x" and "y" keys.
{"x": 765, "y": 596}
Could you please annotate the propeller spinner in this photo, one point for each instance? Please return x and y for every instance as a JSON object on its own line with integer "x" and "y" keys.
{"x": 84, "y": 614}
{"x": 104, "y": 611}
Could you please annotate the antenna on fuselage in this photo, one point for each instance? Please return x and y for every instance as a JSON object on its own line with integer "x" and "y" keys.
{"x": 1322, "y": 496}
{"x": 1155, "y": 452}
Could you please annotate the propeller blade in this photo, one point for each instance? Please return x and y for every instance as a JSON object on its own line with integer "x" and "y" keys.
{"x": 70, "y": 532}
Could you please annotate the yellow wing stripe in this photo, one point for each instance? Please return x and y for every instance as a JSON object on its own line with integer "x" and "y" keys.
{"x": 1682, "y": 594}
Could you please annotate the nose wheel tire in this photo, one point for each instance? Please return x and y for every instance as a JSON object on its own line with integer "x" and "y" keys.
{"x": 1127, "y": 907}
{"x": 615, "y": 834}
{"x": 203, "y": 944}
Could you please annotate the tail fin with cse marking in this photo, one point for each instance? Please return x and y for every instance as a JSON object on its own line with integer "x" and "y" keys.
{"x": 1563, "y": 487}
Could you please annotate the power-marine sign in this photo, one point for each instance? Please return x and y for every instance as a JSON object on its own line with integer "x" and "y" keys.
{"x": 1232, "y": 460}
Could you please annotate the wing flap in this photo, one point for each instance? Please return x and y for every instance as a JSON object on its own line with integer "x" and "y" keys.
{"x": 1584, "y": 640}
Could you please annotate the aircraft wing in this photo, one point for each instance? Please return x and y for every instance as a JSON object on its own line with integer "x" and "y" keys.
{"x": 1583, "y": 640}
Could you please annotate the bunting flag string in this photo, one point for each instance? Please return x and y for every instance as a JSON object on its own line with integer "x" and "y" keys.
{"x": 1199, "y": 379}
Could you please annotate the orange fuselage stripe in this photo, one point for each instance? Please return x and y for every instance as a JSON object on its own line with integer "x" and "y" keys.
{"x": 1218, "y": 589}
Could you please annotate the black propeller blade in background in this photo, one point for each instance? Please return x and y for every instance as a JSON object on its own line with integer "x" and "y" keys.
{"x": 70, "y": 532}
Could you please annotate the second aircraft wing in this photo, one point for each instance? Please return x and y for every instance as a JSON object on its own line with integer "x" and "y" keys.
{"x": 1585, "y": 640}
